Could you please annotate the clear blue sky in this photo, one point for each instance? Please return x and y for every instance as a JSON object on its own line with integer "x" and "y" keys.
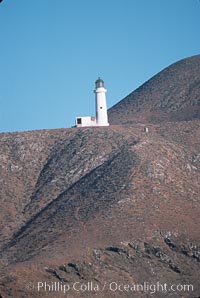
{"x": 51, "y": 52}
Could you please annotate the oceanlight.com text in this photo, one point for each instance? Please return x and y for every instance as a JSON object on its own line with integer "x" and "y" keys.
{"x": 113, "y": 287}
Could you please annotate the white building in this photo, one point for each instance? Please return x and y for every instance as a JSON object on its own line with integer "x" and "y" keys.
{"x": 101, "y": 108}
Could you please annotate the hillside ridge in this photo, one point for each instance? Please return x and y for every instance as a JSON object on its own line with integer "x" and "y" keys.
{"x": 171, "y": 95}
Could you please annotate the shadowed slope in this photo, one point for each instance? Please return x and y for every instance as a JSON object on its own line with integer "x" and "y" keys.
{"x": 119, "y": 220}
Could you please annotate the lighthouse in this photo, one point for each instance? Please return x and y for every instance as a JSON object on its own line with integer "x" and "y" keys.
{"x": 100, "y": 100}
{"x": 101, "y": 118}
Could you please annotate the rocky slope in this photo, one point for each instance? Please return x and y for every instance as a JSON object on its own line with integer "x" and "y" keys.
{"x": 171, "y": 95}
{"x": 101, "y": 206}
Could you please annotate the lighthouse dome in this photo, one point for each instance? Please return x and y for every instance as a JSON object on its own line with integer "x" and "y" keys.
{"x": 99, "y": 83}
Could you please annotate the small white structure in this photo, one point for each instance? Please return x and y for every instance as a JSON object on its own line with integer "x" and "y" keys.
{"x": 101, "y": 108}
{"x": 85, "y": 121}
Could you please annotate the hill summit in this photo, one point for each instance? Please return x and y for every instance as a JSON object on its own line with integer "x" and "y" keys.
{"x": 171, "y": 95}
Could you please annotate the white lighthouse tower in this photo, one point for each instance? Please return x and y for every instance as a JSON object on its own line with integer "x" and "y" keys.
{"x": 101, "y": 107}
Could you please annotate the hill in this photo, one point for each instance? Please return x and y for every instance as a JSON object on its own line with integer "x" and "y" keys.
{"x": 171, "y": 95}
{"x": 92, "y": 208}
